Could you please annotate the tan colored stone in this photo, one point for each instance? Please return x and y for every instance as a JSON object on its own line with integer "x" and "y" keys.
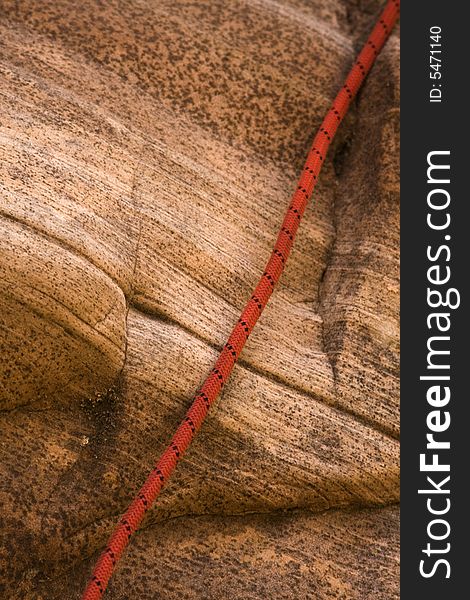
{"x": 147, "y": 154}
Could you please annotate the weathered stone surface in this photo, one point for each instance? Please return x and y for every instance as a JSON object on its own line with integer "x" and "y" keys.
{"x": 248, "y": 557}
{"x": 147, "y": 154}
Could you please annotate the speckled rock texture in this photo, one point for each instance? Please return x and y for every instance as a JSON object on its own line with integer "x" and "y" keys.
{"x": 148, "y": 150}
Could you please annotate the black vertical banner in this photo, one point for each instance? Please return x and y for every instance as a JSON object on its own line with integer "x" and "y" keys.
{"x": 435, "y": 269}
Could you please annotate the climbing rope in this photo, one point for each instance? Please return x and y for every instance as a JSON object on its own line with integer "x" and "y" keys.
{"x": 213, "y": 384}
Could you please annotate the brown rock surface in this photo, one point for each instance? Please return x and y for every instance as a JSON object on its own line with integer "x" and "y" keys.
{"x": 147, "y": 154}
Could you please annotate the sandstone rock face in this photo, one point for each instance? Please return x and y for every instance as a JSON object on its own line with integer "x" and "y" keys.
{"x": 148, "y": 151}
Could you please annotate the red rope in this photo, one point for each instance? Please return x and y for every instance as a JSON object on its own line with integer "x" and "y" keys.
{"x": 253, "y": 309}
